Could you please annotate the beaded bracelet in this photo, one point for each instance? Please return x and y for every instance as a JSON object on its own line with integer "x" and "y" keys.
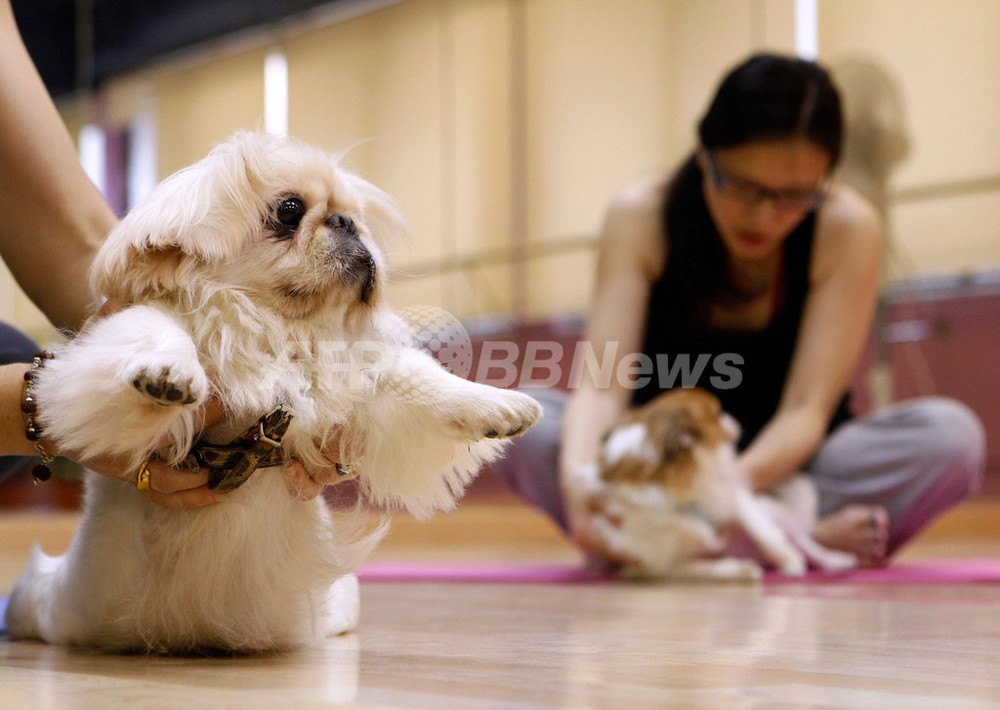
{"x": 32, "y": 431}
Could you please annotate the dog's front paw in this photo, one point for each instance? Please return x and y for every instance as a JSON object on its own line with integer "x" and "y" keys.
{"x": 501, "y": 414}
{"x": 836, "y": 561}
{"x": 736, "y": 570}
{"x": 724, "y": 569}
{"x": 170, "y": 385}
{"x": 792, "y": 564}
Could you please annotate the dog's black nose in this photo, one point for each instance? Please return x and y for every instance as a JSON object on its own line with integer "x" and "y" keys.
{"x": 341, "y": 223}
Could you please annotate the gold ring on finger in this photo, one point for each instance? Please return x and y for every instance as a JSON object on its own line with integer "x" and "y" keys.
{"x": 142, "y": 478}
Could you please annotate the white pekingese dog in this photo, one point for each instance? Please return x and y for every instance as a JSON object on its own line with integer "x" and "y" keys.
{"x": 255, "y": 276}
{"x": 671, "y": 494}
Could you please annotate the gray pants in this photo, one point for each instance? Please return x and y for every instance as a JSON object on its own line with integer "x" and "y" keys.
{"x": 915, "y": 459}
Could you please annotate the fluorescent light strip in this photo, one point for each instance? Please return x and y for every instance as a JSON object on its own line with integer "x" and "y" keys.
{"x": 142, "y": 155}
{"x": 276, "y": 93}
{"x": 94, "y": 155}
{"x": 806, "y": 29}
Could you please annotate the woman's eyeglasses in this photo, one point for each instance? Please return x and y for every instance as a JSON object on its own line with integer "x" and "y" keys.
{"x": 750, "y": 193}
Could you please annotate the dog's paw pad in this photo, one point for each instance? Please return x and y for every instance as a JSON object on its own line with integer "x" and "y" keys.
{"x": 164, "y": 388}
{"x": 519, "y": 430}
{"x": 505, "y": 416}
{"x": 509, "y": 434}
{"x": 738, "y": 570}
{"x": 793, "y": 566}
{"x": 836, "y": 561}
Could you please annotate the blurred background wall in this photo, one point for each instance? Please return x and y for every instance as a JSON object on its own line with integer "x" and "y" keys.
{"x": 504, "y": 127}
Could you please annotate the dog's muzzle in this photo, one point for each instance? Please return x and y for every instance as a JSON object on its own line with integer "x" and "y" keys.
{"x": 362, "y": 271}
{"x": 353, "y": 261}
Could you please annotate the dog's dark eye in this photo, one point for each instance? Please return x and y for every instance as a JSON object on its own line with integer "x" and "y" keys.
{"x": 290, "y": 211}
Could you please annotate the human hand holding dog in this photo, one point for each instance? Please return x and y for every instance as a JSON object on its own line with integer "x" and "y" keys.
{"x": 306, "y": 484}
{"x": 588, "y": 515}
{"x": 168, "y": 486}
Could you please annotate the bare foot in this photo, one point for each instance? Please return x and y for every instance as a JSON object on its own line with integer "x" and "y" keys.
{"x": 860, "y": 529}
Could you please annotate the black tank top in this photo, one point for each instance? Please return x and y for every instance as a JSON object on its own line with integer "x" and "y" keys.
{"x": 745, "y": 369}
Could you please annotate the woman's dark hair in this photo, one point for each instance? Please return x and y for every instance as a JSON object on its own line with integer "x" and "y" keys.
{"x": 767, "y": 97}
{"x": 772, "y": 97}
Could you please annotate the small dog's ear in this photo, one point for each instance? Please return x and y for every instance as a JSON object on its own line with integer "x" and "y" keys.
{"x": 201, "y": 213}
{"x": 379, "y": 213}
{"x": 679, "y": 435}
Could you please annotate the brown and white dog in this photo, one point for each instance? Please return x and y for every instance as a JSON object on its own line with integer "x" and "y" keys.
{"x": 671, "y": 491}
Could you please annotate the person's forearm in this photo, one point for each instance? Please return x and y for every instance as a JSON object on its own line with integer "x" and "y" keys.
{"x": 589, "y": 414}
{"x": 783, "y": 447}
{"x": 12, "y": 439}
{"x": 54, "y": 217}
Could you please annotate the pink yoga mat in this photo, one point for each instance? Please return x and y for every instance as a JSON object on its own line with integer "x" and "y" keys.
{"x": 476, "y": 573}
{"x": 965, "y": 570}
{"x": 950, "y": 571}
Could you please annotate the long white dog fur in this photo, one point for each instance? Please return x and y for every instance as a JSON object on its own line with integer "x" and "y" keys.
{"x": 255, "y": 276}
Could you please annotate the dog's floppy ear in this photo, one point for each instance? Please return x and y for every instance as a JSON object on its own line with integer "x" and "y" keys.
{"x": 201, "y": 213}
{"x": 678, "y": 435}
{"x": 379, "y": 212}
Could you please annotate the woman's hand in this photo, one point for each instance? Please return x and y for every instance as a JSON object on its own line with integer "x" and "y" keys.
{"x": 168, "y": 486}
{"x": 588, "y": 516}
{"x": 307, "y": 484}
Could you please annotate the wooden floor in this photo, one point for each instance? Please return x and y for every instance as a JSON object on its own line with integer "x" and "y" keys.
{"x": 608, "y": 645}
